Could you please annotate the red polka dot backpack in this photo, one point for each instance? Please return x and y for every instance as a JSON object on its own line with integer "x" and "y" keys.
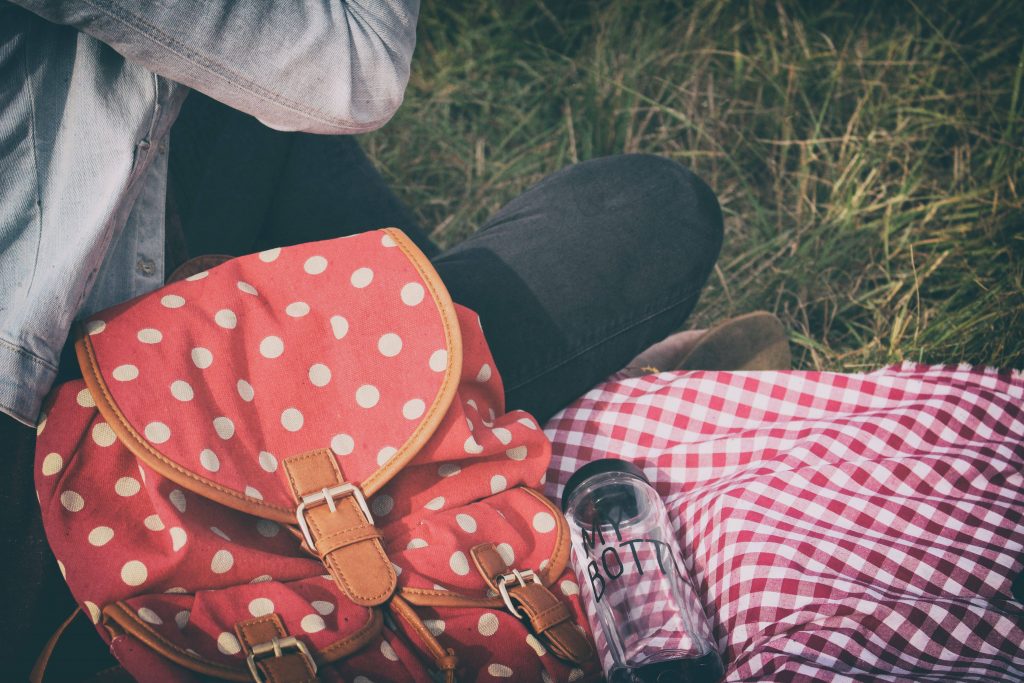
{"x": 297, "y": 466}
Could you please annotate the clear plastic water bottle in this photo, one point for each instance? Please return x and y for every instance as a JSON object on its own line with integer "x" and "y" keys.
{"x": 647, "y": 619}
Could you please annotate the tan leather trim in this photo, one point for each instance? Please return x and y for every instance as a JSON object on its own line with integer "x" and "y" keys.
{"x": 350, "y": 547}
{"x": 138, "y": 445}
{"x": 449, "y": 385}
{"x": 38, "y": 672}
{"x": 560, "y": 558}
{"x": 288, "y": 666}
{"x": 123, "y": 615}
{"x": 445, "y": 660}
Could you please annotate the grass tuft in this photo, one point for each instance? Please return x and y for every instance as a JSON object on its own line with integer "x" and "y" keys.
{"x": 869, "y": 157}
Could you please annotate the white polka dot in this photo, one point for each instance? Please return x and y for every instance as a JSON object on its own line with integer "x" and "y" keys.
{"x": 209, "y": 460}
{"x": 222, "y": 562}
{"x": 177, "y": 498}
{"x": 448, "y": 469}
{"x": 226, "y": 318}
{"x": 527, "y": 422}
{"x": 270, "y": 254}
{"x": 569, "y": 587}
{"x": 261, "y": 607}
{"x": 389, "y": 345}
{"x": 416, "y": 543}
{"x": 154, "y": 523}
{"x": 149, "y": 616}
{"x": 176, "y": 589}
{"x": 228, "y": 644}
{"x": 291, "y": 419}
{"x": 507, "y": 553}
{"x": 575, "y": 675}
{"x": 543, "y": 522}
{"x": 385, "y": 454}
{"x": 388, "y": 241}
{"x": 412, "y": 294}
{"x": 220, "y": 533}
{"x": 181, "y": 618}
{"x": 467, "y": 522}
{"x": 537, "y": 646}
{"x": 469, "y": 424}
{"x": 157, "y": 432}
{"x": 267, "y": 529}
{"x": 367, "y": 396}
{"x": 127, "y": 486}
{"x": 414, "y": 409}
{"x": 319, "y": 375}
{"x": 362, "y": 277}
{"x": 459, "y": 563}
{"x": 93, "y": 610}
{"x": 342, "y": 444}
{"x": 101, "y": 535}
{"x": 438, "y": 360}
{"x": 202, "y": 358}
{"x": 518, "y": 453}
{"x": 150, "y": 336}
{"x": 72, "y": 501}
{"x": 471, "y": 446}
{"x": 263, "y": 578}
{"x": 247, "y": 288}
{"x": 224, "y": 427}
{"x": 198, "y": 276}
{"x": 499, "y": 671}
{"x": 382, "y": 504}
{"x": 52, "y": 464}
{"x": 487, "y": 625}
{"x": 498, "y": 483}
{"x": 95, "y": 327}
{"x": 484, "y": 374}
{"x": 339, "y": 326}
{"x": 63, "y": 570}
{"x": 172, "y": 301}
{"x": 322, "y": 606}
{"x": 388, "y": 651}
{"x": 253, "y": 492}
{"x": 315, "y": 265}
{"x": 178, "y": 538}
{"x": 435, "y": 626}
{"x": 268, "y": 462}
{"x": 134, "y": 573}
{"x": 125, "y": 373}
{"x": 503, "y": 435}
{"x": 271, "y": 347}
{"x": 245, "y": 390}
{"x": 297, "y": 309}
{"x": 312, "y": 623}
{"x": 435, "y": 503}
{"x": 84, "y": 399}
{"x": 182, "y": 390}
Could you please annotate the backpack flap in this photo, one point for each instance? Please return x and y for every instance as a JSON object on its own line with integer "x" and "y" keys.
{"x": 344, "y": 354}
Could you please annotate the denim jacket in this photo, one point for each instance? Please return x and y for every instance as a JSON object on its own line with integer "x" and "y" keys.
{"x": 88, "y": 92}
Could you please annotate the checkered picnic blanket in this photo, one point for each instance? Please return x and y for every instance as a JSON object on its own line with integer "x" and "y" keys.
{"x": 840, "y": 527}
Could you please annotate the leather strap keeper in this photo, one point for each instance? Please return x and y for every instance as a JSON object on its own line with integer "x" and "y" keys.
{"x": 547, "y": 615}
{"x": 288, "y": 661}
{"x": 347, "y": 542}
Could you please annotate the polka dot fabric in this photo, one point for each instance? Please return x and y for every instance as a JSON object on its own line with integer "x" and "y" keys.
{"x": 338, "y": 345}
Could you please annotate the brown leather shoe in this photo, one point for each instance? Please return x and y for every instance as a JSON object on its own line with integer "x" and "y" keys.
{"x": 754, "y": 341}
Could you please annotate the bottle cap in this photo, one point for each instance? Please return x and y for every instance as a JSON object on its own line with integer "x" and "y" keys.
{"x": 596, "y": 467}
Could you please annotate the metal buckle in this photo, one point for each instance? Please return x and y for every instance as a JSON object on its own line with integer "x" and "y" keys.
{"x": 522, "y": 578}
{"x": 276, "y": 648}
{"x": 328, "y": 495}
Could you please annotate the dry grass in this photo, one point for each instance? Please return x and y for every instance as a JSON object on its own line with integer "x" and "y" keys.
{"x": 868, "y": 156}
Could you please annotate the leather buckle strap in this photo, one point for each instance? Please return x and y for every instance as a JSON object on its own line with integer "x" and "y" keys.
{"x": 529, "y": 599}
{"x": 274, "y": 656}
{"x": 337, "y": 526}
{"x": 277, "y": 647}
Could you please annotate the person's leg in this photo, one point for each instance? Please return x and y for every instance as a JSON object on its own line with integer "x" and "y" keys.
{"x": 239, "y": 187}
{"x": 577, "y": 275}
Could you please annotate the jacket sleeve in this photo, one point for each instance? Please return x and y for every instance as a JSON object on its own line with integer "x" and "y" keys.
{"x": 321, "y": 66}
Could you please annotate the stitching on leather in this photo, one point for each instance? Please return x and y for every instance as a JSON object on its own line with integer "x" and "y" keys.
{"x": 92, "y": 371}
{"x": 273, "y": 619}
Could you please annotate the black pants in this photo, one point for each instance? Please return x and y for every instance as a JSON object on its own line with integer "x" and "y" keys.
{"x": 571, "y": 280}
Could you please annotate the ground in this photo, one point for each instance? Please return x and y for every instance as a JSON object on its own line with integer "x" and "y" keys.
{"x": 869, "y": 156}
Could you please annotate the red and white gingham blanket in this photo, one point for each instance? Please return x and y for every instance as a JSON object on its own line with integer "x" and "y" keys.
{"x": 841, "y": 527}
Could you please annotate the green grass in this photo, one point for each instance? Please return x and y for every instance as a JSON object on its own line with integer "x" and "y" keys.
{"x": 869, "y": 157}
